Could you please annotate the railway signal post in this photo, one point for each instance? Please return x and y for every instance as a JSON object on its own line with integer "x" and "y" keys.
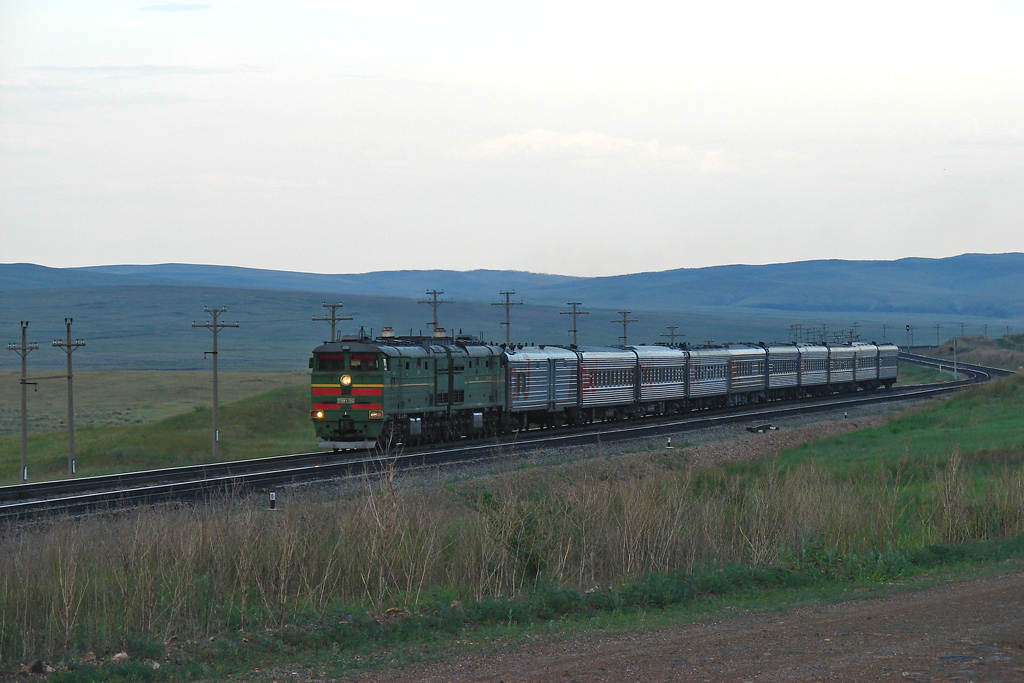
{"x": 69, "y": 347}
{"x": 214, "y": 326}
{"x": 23, "y": 351}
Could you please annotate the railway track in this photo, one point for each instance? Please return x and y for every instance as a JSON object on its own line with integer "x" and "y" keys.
{"x": 198, "y": 482}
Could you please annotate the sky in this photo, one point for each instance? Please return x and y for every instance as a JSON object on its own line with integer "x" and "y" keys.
{"x": 579, "y": 138}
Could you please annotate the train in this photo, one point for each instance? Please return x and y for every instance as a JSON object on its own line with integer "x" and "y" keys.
{"x": 388, "y": 391}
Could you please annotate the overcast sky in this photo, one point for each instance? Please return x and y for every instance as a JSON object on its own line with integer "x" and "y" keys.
{"x": 580, "y": 138}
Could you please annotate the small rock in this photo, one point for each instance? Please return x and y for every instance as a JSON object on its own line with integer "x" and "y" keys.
{"x": 119, "y": 658}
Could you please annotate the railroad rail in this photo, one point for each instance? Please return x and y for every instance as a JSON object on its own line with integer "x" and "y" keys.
{"x": 198, "y": 482}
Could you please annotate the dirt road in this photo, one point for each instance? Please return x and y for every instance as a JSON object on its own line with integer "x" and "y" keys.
{"x": 958, "y": 632}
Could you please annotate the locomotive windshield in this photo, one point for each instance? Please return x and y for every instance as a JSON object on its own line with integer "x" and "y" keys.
{"x": 330, "y": 361}
{"x": 364, "y": 361}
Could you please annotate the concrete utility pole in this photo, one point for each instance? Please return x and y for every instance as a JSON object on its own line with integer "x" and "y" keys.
{"x": 937, "y": 328}
{"x": 508, "y": 322}
{"x": 962, "y": 326}
{"x": 69, "y": 348}
{"x": 625, "y": 321}
{"x": 855, "y": 333}
{"x": 333, "y": 318}
{"x": 23, "y": 351}
{"x": 434, "y": 303}
{"x": 214, "y": 326}
{"x": 672, "y": 334}
{"x": 985, "y": 328}
{"x": 884, "y": 328}
{"x": 574, "y": 312}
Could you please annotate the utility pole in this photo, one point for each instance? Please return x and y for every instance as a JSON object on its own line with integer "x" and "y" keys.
{"x": 214, "y": 326}
{"x": 937, "y": 327}
{"x": 625, "y": 321}
{"x": 508, "y": 322}
{"x": 69, "y": 348}
{"x": 855, "y": 334}
{"x": 884, "y": 327}
{"x": 23, "y": 351}
{"x": 985, "y": 328}
{"x": 672, "y": 334}
{"x": 962, "y": 329}
{"x": 574, "y": 312}
{"x": 333, "y": 318}
{"x": 434, "y": 303}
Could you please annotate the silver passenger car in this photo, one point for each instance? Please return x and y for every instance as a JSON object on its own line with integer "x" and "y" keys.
{"x": 813, "y": 368}
{"x": 888, "y": 369}
{"x": 662, "y": 373}
{"x": 541, "y": 378}
{"x": 607, "y": 376}
{"x": 840, "y": 364}
{"x": 783, "y": 368}
{"x": 865, "y": 366}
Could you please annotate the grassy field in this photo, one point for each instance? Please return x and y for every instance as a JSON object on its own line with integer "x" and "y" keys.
{"x": 942, "y": 485}
{"x": 1002, "y": 352}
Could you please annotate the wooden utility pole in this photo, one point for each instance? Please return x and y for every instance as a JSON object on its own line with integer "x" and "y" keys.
{"x": 574, "y": 312}
{"x": 672, "y": 334}
{"x": 214, "y": 326}
{"x": 434, "y": 303}
{"x": 508, "y": 305}
{"x": 23, "y": 351}
{"x": 625, "y": 321}
{"x": 333, "y": 318}
{"x": 69, "y": 347}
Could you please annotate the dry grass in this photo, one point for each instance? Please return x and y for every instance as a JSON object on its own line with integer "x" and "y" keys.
{"x": 94, "y": 583}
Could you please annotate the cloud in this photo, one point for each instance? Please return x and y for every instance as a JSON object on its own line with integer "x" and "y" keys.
{"x": 235, "y": 180}
{"x": 174, "y": 7}
{"x": 147, "y": 70}
{"x": 586, "y": 143}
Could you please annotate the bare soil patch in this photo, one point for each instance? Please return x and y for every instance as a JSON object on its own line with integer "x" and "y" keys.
{"x": 970, "y": 631}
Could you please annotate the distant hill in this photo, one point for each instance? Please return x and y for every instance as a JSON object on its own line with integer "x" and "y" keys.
{"x": 987, "y": 285}
{"x": 140, "y": 316}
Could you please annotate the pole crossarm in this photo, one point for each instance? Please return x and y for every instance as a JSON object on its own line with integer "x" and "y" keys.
{"x": 672, "y": 334}
{"x": 214, "y": 326}
{"x": 333, "y": 318}
{"x": 574, "y": 312}
{"x": 625, "y": 321}
{"x": 508, "y": 305}
{"x": 434, "y": 302}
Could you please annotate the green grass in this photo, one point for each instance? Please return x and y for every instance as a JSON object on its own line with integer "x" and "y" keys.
{"x": 597, "y": 541}
{"x": 269, "y": 423}
{"x": 985, "y": 425}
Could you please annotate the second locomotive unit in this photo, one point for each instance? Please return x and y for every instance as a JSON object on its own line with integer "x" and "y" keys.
{"x": 391, "y": 390}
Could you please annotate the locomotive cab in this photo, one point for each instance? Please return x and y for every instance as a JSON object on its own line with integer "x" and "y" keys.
{"x": 346, "y": 386}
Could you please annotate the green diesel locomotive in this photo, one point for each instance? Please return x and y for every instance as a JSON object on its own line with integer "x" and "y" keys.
{"x": 405, "y": 390}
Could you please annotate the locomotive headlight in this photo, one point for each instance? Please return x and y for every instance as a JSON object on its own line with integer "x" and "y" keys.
{"x": 346, "y": 380}
{"x": 376, "y": 414}
{"x": 316, "y": 414}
